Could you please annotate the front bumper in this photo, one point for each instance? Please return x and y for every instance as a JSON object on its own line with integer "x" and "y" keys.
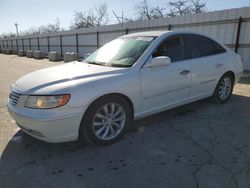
{"x": 49, "y": 128}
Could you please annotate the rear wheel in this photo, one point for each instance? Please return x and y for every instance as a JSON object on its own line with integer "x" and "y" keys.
{"x": 224, "y": 89}
{"x": 106, "y": 120}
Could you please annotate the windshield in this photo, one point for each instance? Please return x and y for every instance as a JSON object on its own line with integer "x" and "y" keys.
{"x": 121, "y": 52}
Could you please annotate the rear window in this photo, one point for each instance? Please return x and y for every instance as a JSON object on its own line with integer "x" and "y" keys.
{"x": 199, "y": 46}
{"x": 217, "y": 48}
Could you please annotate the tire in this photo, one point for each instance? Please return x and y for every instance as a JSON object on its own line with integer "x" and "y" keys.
{"x": 99, "y": 125}
{"x": 224, "y": 89}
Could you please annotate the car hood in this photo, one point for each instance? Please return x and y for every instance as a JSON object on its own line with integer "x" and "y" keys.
{"x": 63, "y": 73}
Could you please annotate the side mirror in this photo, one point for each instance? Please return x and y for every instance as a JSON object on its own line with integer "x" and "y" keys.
{"x": 159, "y": 62}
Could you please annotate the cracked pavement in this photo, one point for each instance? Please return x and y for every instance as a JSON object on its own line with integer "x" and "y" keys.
{"x": 200, "y": 145}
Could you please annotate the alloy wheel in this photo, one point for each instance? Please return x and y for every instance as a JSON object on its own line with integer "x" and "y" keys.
{"x": 225, "y": 88}
{"x": 109, "y": 121}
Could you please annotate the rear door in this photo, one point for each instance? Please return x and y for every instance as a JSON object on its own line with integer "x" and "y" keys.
{"x": 207, "y": 64}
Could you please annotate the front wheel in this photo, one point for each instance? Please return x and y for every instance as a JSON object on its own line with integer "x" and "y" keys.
{"x": 106, "y": 120}
{"x": 224, "y": 89}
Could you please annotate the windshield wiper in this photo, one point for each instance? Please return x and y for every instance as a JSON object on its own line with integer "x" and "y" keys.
{"x": 97, "y": 63}
{"x": 107, "y": 64}
{"x": 120, "y": 65}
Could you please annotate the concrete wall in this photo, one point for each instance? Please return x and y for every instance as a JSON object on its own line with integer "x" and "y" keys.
{"x": 221, "y": 25}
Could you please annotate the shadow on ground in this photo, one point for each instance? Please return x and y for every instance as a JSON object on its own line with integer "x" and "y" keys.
{"x": 198, "y": 145}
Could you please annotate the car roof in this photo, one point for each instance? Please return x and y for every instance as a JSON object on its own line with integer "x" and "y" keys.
{"x": 165, "y": 33}
{"x": 148, "y": 33}
{"x": 160, "y": 33}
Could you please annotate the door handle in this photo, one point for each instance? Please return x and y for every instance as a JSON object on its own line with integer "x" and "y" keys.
{"x": 218, "y": 65}
{"x": 184, "y": 72}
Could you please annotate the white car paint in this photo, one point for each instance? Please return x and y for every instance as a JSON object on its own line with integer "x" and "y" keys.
{"x": 150, "y": 90}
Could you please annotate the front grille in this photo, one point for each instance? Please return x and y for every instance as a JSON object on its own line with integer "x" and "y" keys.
{"x": 14, "y": 97}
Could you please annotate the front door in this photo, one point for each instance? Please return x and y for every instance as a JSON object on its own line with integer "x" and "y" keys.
{"x": 165, "y": 86}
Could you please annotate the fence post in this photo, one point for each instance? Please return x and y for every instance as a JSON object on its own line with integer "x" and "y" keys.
{"x": 11, "y": 45}
{"x": 38, "y": 44}
{"x": 169, "y": 27}
{"x": 22, "y": 45}
{"x": 238, "y": 34}
{"x": 7, "y": 44}
{"x": 97, "y": 39}
{"x": 17, "y": 45}
{"x": 48, "y": 44}
{"x": 61, "y": 45}
{"x": 77, "y": 47}
{"x": 29, "y": 44}
{"x": 126, "y": 31}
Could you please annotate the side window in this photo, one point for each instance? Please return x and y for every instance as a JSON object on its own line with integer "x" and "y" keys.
{"x": 199, "y": 46}
{"x": 217, "y": 48}
{"x": 173, "y": 48}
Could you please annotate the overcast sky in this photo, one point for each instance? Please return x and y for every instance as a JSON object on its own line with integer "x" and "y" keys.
{"x": 34, "y": 13}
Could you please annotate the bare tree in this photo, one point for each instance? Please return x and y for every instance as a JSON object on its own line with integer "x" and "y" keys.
{"x": 159, "y": 12}
{"x": 179, "y": 8}
{"x": 7, "y": 35}
{"x": 127, "y": 20}
{"x": 197, "y": 6}
{"x": 146, "y": 12}
{"x": 50, "y": 28}
{"x": 82, "y": 20}
{"x": 176, "y": 8}
{"x": 143, "y": 10}
{"x": 184, "y": 7}
{"x": 53, "y": 27}
{"x": 91, "y": 18}
{"x": 101, "y": 14}
{"x": 30, "y": 31}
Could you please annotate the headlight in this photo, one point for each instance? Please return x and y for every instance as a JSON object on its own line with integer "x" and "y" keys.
{"x": 46, "y": 102}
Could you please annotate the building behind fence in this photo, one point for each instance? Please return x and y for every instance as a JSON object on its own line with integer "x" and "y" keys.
{"x": 231, "y": 27}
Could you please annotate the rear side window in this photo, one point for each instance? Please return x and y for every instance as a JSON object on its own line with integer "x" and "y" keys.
{"x": 199, "y": 46}
{"x": 173, "y": 48}
{"x": 217, "y": 48}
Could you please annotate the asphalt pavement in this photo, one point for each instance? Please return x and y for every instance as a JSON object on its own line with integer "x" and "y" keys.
{"x": 202, "y": 144}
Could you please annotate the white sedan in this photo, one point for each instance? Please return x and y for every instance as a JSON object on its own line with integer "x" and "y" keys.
{"x": 128, "y": 78}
